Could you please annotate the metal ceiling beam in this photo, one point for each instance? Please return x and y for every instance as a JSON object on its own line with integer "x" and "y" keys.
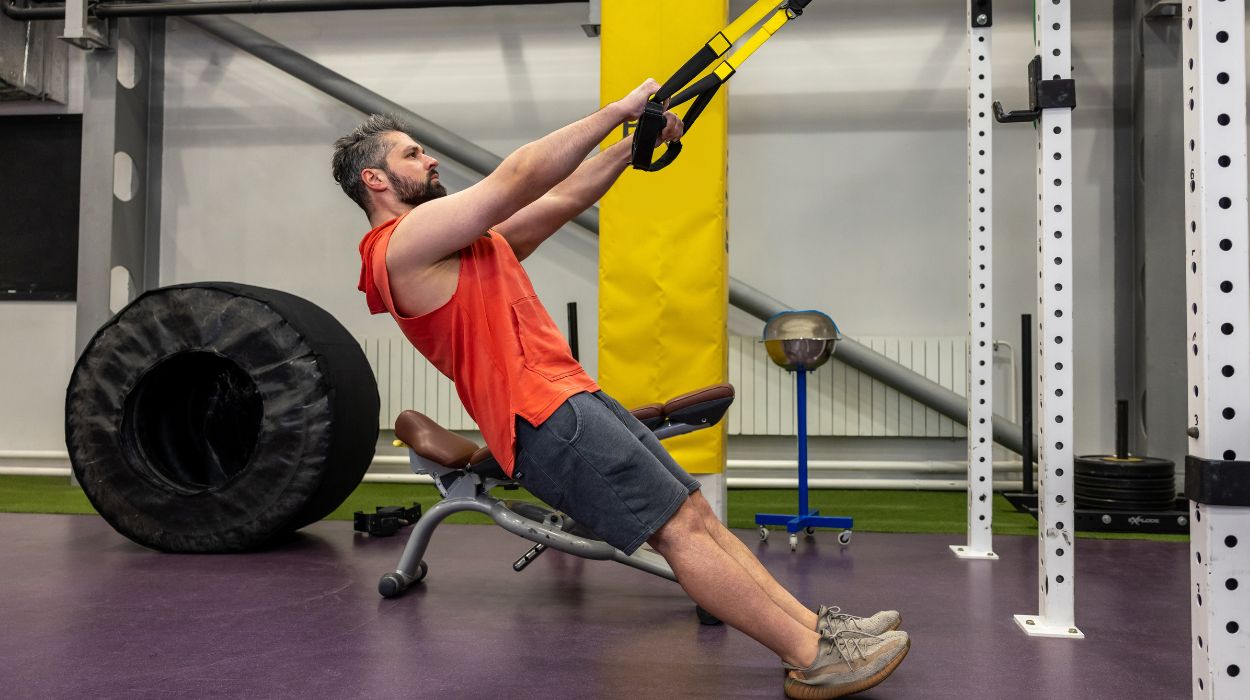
{"x": 105, "y": 10}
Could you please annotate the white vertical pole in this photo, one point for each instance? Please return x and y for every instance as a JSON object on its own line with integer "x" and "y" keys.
{"x": 980, "y": 364}
{"x": 1055, "y": 518}
{"x": 1218, "y": 313}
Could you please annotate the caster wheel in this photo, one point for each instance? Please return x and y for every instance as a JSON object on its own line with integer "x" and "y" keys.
{"x": 844, "y": 537}
{"x": 810, "y": 531}
{"x": 422, "y": 570}
{"x": 763, "y": 534}
{"x": 794, "y": 541}
{"x": 705, "y": 617}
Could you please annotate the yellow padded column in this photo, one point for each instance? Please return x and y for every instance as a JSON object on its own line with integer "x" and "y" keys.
{"x": 663, "y": 268}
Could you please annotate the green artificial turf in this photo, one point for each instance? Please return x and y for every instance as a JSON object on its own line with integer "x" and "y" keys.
{"x": 41, "y": 494}
{"x": 873, "y": 511}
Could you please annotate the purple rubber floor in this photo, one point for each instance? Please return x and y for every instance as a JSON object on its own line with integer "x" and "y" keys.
{"x": 86, "y": 613}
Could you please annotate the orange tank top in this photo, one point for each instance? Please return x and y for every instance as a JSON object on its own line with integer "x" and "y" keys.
{"x": 493, "y": 338}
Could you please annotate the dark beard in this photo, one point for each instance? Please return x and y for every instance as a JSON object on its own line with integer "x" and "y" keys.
{"x": 414, "y": 192}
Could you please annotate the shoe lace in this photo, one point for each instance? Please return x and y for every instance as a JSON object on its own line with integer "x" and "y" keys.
{"x": 850, "y": 643}
{"x": 835, "y": 612}
{"x": 830, "y": 615}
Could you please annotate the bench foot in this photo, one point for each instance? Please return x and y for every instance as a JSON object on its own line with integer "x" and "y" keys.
{"x": 393, "y": 584}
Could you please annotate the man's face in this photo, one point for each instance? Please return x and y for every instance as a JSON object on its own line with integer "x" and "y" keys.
{"x": 412, "y": 172}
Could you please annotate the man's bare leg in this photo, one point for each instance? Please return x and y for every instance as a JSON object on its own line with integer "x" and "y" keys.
{"x": 734, "y": 547}
{"x": 719, "y": 584}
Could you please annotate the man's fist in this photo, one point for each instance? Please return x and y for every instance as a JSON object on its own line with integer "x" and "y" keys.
{"x": 633, "y": 104}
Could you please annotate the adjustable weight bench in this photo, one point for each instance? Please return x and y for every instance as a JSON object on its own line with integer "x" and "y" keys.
{"x": 465, "y": 475}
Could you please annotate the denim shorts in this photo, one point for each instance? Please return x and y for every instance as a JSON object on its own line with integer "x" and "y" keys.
{"x": 594, "y": 461}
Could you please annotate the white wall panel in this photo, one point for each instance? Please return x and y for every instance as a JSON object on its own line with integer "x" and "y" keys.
{"x": 846, "y": 176}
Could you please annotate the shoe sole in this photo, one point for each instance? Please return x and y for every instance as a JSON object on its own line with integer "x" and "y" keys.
{"x": 798, "y": 691}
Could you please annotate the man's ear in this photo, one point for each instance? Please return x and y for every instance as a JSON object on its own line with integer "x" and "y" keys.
{"x": 374, "y": 179}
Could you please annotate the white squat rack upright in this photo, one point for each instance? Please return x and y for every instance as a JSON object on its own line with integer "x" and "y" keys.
{"x": 1052, "y": 97}
{"x": 980, "y": 287}
{"x": 1056, "y": 521}
{"x": 1217, "y": 473}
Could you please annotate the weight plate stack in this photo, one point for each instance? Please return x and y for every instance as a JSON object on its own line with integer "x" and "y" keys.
{"x": 1107, "y": 482}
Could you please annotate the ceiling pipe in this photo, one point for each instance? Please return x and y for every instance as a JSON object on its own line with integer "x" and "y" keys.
{"x": 106, "y": 10}
{"x": 478, "y": 159}
{"x": 26, "y": 14}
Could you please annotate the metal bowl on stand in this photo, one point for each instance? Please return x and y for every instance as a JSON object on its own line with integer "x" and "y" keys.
{"x": 801, "y": 340}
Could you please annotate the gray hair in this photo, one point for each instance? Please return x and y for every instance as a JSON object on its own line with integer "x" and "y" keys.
{"x": 364, "y": 147}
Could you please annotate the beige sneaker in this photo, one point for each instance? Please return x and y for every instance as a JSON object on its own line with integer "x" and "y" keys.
{"x": 848, "y": 662}
{"x": 832, "y": 620}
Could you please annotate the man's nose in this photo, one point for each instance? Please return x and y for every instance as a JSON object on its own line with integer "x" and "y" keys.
{"x": 433, "y": 161}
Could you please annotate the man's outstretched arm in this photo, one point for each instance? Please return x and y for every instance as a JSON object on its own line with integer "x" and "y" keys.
{"x": 534, "y": 224}
{"x": 443, "y": 226}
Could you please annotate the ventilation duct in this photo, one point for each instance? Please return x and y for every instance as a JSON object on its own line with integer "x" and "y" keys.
{"x": 33, "y": 62}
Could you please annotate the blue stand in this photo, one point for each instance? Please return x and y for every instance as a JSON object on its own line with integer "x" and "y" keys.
{"x": 805, "y": 518}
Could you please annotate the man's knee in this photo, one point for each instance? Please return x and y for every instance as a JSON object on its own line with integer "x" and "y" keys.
{"x": 686, "y": 521}
{"x": 704, "y": 509}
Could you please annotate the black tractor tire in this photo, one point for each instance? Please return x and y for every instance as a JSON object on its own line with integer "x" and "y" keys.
{"x": 220, "y": 417}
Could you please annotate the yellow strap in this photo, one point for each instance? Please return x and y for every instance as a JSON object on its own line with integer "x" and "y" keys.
{"x": 724, "y": 40}
{"x": 748, "y": 19}
{"x": 720, "y": 43}
{"x": 774, "y": 23}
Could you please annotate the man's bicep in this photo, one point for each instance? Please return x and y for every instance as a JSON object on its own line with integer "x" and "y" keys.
{"x": 535, "y": 223}
{"x": 443, "y": 226}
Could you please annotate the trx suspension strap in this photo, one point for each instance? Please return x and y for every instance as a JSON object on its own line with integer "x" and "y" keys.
{"x": 651, "y": 123}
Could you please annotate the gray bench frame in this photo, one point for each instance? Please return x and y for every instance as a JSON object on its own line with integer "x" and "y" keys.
{"x": 469, "y": 489}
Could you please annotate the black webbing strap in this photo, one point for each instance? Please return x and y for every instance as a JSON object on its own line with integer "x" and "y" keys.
{"x": 651, "y": 122}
